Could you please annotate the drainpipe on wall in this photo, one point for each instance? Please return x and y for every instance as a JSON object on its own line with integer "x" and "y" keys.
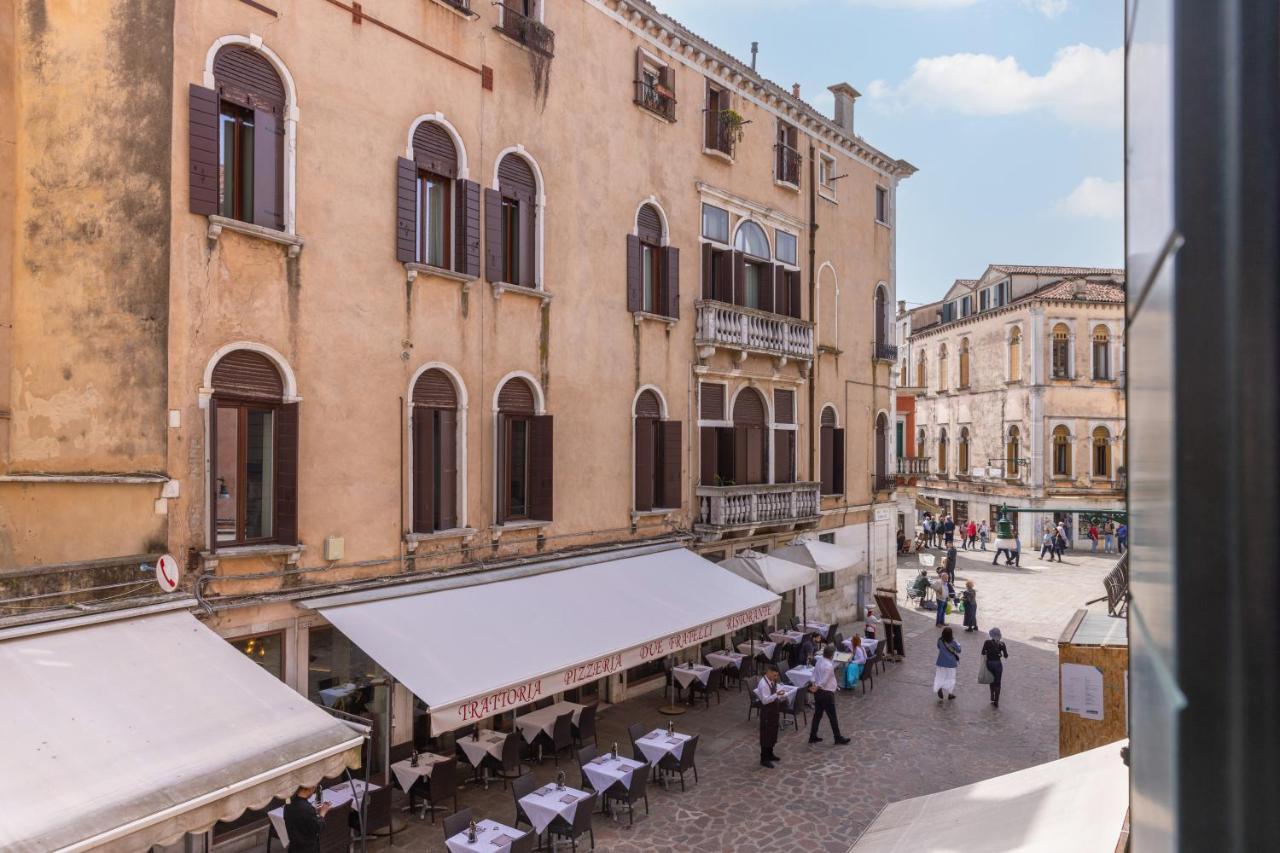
{"x": 813, "y": 307}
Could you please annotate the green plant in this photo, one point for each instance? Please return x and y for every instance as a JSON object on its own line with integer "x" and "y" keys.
{"x": 731, "y": 123}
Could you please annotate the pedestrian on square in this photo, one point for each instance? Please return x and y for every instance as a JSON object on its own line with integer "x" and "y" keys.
{"x": 948, "y": 531}
{"x": 1016, "y": 556}
{"x": 769, "y": 694}
{"x": 1047, "y": 545}
{"x": 902, "y": 541}
{"x": 970, "y": 598}
{"x": 984, "y": 533}
{"x": 940, "y": 593}
{"x": 1093, "y": 537}
{"x": 303, "y": 822}
{"x": 972, "y": 531}
{"x": 951, "y": 560}
{"x": 927, "y": 525}
{"x": 1122, "y": 537}
{"x": 1109, "y": 536}
{"x": 993, "y": 650}
{"x": 944, "y": 671}
{"x": 823, "y": 688}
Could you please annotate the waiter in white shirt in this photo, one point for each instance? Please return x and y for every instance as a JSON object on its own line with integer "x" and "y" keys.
{"x": 769, "y": 694}
{"x": 824, "y": 699}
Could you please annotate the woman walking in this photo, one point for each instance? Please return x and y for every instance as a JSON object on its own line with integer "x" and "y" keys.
{"x": 944, "y": 672}
{"x": 970, "y": 597}
{"x": 993, "y": 650}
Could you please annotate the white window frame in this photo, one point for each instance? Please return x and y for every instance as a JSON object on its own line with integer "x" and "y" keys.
{"x": 827, "y": 187}
{"x": 460, "y": 443}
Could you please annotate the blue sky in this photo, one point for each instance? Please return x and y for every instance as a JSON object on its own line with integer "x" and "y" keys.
{"x": 1011, "y": 109}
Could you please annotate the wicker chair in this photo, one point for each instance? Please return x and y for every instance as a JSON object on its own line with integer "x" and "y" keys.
{"x": 683, "y": 764}
{"x": 522, "y": 787}
{"x": 712, "y": 686}
{"x": 456, "y": 822}
{"x": 636, "y": 731}
{"x": 580, "y": 826}
{"x": 636, "y": 790}
{"x": 586, "y": 726}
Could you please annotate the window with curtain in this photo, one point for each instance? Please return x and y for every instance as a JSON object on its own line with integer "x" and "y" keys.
{"x": 1061, "y": 452}
{"x": 1101, "y": 353}
{"x": 1061, "y": 351}
{"x": 1102, "y": 453}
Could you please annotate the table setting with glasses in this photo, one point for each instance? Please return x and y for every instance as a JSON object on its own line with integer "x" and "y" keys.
{"x": 485, "y": 836}
{"x": 725, "y": 659}
{"x": 608, "y": 770}
{"x": 800, "y": 675}
{"x": 550, "y": 802}
{"x": 543, "y": 720}
{"x": 686, "y": 673}
{"x": 659, "y": 743}
{"x": 761, "y": 648}
{"x": 786, "y": 638}
{"x": 869, "y": 645}
{"x": 346, "y": 792}
{"x": 417, "y": 766}
{"x": 477, "y": 745}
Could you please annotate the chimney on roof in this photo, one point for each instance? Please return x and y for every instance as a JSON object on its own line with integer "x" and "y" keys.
{"x": 755, "y": 48}
{"x": 795, "y": 90}
{"x": 902, "y": 307}
{"x": 845, "y": 96}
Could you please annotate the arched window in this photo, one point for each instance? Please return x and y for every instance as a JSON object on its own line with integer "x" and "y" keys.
{"x": 1061, "y": 351}
{"x": 882, "y": 452}
{"x": 881, "y": 328}
{"x": 963, "y": 465}
{"x": 653, "y": 270}
{"x": 1102, "y": 453}
{"x": 755, "y": 289}
{"x": 1101, "y": 353}
{"x": 921, "y": 449}
{"x": 903, "y": 373}
{"x": 1015, "y": 354}
{"x": 942, "y": 367}
{"x": 525, "y": 462}
{"x": 657, "y": 455}
{"x": 922, "y": 371}
{"x": 831, "y": 453}
{"x": 435, "y": 452}
{"x": 511, "y": 226}
{"x": 752, "y": 241}
{"x": 942, "y": 450}
{"x": 750, "y": 438}
{"x": 438, "y": 210}
{"x": 964, "y": 362}
{"x": 1012, "y": 453}
{"x": 1061, "y": 452}
{"x": 253, "y": 453}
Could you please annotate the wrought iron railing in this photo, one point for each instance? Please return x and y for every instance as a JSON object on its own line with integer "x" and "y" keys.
{"x": 882, "y": 482}
{"x": 530, "y": 32}
{"x": 883, "y": 351}
{"x": 653, "y": 97}
{"x": 789, "y": 160}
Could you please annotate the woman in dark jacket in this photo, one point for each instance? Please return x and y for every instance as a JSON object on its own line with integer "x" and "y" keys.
{"x": 970, "y": 598}
{"x": 993, "y": 650}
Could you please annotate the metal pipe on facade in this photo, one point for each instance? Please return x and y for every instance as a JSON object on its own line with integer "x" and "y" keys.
{"x": 813, "y": 305}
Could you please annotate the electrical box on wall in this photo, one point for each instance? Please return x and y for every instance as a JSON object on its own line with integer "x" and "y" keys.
{"x": 334, "y": 546}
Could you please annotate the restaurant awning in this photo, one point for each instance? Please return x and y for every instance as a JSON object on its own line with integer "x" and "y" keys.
{"x": 770, "y": 572}
{"x": 483, "y": 647}
{"x": 128, "y": 733}
{"x": 1073, "y": 805}
{"x": 822, "y": 556}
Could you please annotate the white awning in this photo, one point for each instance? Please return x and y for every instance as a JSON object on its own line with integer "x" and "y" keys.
{"x": 770, "y": 572}
{"x": 820, "y": 555}
{"x": 472, "y": 651}
{"x": 128, "y": 733}
{"x": 1073, "y": 805}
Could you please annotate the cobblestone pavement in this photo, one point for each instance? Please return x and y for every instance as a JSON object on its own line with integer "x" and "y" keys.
{"x": 904, "y": 742}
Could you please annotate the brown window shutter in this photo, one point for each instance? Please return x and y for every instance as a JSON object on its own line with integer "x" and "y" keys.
{"x": 740, "y": 462}
{"x": 782, "y": 287}
{"x": 709, "y": 453}
{"x": 541, "y": 467}
{"x": 784, "y": 406}
{"x": 528, "y": 238}
{"x": 749, "y": 409}
{"x": 784, "y": 456}
{"x": 287, "y": 474}
{"x": 406, "y": 211}
{"x": 827, "y": 462}
{"x": 647, "y": 405}
{"x": 769, "y": 276}
{"x": 433, "y": 150}
{"x": 466, "y": 255}
{"x": 649, "y": 225}
{"x": 711, "y": 118}
{"x": 423, "y": 469}
{"x": 212, "y": 544}
{"x": 708, "y": 268}
{"x": 757, "y": 455}
{"x": 644, "y": 463}
{"x": 516, "y": 397}
{"x": 447, "y": 438}
{"x": 639, "y": 78}
{"x": 712, "y": 404}
{"x": 793, "y": 292}
{"x": 724, "y": 276}
{"x": 671, "y": 281}
{"x": 247, "y": 374}
{"x": 246, "y": 77}
{"x": 672, "y": 464}
{"x": 668, "y": 79}
{"x": 837, "y": 461}
{"x": 434, "y": 388}
{"x": 268, "y": 150}
{"x": 202, "y": 112}
{"x": 739, "y": 278}
{"x": 635, "y": 283}
{"x": 493, "y": 235}
{"x": 503, "y": 503}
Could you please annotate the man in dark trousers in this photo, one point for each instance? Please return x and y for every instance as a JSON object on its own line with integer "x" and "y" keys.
{"x": 770, "y": 695}
{"x": 303, "y": 822}
{"x": 823, "y": 689}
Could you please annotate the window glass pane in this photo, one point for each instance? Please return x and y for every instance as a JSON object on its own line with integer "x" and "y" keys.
{"x": 245, "y": 175}
{"x": 752, "y": 240}
{"x": 753, "y": 286}
{"x": 511, "y": 241}
{"x": 882, "y": 200}
{"x": 226, "y": 165}
{"x": 715, "y": 223}
{"x": 259, "y": 487}
{"x": 266, "y": 651}
{"x": 786, "y": 247}
{"x": 228, "y": 473}
{"x": 434, "y": 197}
{"x": 518, "y": 455}
{"x": 339, "y": 675}
{"x": 646, "y": 253}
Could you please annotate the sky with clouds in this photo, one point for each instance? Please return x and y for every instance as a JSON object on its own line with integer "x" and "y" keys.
{"x": 1012, "y": 110}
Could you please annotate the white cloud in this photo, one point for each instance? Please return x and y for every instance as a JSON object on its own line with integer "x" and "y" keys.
{"x": 1095, "y": 198}
{"x": 1048, "y": 8}
{"x": 1084, "y": 85}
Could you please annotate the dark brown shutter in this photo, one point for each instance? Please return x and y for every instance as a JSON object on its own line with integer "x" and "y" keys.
{"x": 493, "y": 235}
{"x": 748, "y": 409}
{"x": 782, "y": 288}
{"x": 739, "y": 278}
{"x": 287, "y": 474}
{"x": 268, "y": 149}
{"x": 757, "y": 453}
{"x": 827, "y": 462}
{"x": 708, "y": 268}
{"x": 649, "y": 225}
{"x": 434, "y": 388}
{"x": 502, "y": 481}
{"x": 245, "y": 373}
{"x": 406, "y": 211}
{"x": 433, "y": 150}
{"x": 246, "y": 77}
{"x": 447, "y": 438}
{"x": 724, "y": 275}
{"x": 541, "y": 467}
{"x": 423, "y": 469}
{"x": 213, "y": 476}
{"x": 671, "y": 281}
{"x": 515, "y": 178}
{"x": 647, "y": 405}
{"x": 528, "y": 230}
{"x": 709, "y": 453}
{"x": 639, "y": 79}
{"x": 793, "y": 291}
{"x": 635, "y": 275}
{"x": 711, "y": 119}
{"x": 784, "y": 441}
{"x": 667, "y": 77}
{"x": 712, "y": 404}
{"x": 740, "y": 455}
{"x": 644, "y": 463}
{"x": 837, "y": 461}
{"x": 466, "y": 255}
{"x": 768, "y": 275}
{"x": 784, "y": 406}
{"x": 202, "y": 113}
{"x": 829, "y": 417}
{"x": 672, "y": 464}
{"x": 516, "y": 398}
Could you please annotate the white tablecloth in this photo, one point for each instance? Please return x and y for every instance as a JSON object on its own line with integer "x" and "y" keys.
{"x": 337, "y": 795}
{"x": 791, "y": 692}
{"x": 546, "y": 803}
{"x": 544, "y": 719}
{"x": 720, "y": 660}
{"x": 766, "y": 649}
{"x": 330, "y": 695}
{"x": 487, "y": 832}
{"x": 658, "y": 743}
{"x": 407, "y": 774}
{"x": 604, "y": 772}
{"x": 684, "y": 675}
{"x": 820, "y": 627}
{"x": 490, "y": 743}
{"x": 800, "y": 675}
{"x": 868, "y": 644}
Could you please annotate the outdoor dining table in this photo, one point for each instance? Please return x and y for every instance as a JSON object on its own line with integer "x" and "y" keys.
{"x": 790, "y": 691}
{"x": 549, "y": 802}
{"x": 726, "y": 658}
{"x": 605, "y": 771}
{"x": 869, "y": 644}
{"x": 821, "y": 627}
{"x": 491, "y": 837}
{"x": 407, "y": 773}
{"x": 686, "y": 673}
{"x": 543, "y": 720}
{"x": 800, "y": 675}
{"x": 657, "y": 744}
{"x": 766, "y": 649}
{"x": 337, "y": 795}
{"x": 475, "y": 749}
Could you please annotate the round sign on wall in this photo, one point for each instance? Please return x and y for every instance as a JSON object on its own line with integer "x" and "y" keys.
{"x": 167, "y": 573}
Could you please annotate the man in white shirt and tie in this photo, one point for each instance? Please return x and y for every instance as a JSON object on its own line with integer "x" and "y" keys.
{"x": 769, "y": 694}
{"x": 824, "y": 699}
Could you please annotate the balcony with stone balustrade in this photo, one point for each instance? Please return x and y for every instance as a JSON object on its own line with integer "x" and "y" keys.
{"x": 722, "y": 326}
{"x": 726, "y": 509}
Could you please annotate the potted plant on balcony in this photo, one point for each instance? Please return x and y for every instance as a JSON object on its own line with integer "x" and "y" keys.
{"x": 731, "y": 124}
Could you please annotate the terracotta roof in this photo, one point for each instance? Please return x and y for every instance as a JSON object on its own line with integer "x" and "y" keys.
{"x": 1090, "y": 291}
{"x": 1033, "y": 270}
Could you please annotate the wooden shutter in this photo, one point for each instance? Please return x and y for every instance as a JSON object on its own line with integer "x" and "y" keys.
{"x": 644, "y": 463}
{"x": 541, "y": 467}
{"x": 748, "y": 409}
{"x": 740, "y": 463}
{"x": 649, "y": 225}
{"x": 672, "y": 463}
{"x": 433, "y": 150}
{"x": 757, "y": 452}
{"x": 724, "y": 276}
{"x": 268, "y": 148}
{"x": 493, "y": 235}
{"x": 287, "y": 474}
{"x": 213, "y": 476}
{"x": 709, "y": 453}
{"x": 667, "y": 77}
{"x": 711, "y": 119}
{"x": 769, "y": 275}
{"x": 784, "y": 455}
{"x": 466, "y": 255}
{"x": 647, "y": 406}
{"x": 739, "y": 278}
{"x": 639, "y": 79}
{"x": 782, "y": 287}
{"x": 635, "y": 275}
{"x": 406, "y": 211}
{"x": 712, "y": 403}
{"x": 708, "y": 269}
{"x": 501, "y": 481}
{"x": 528, "y": 231}
{"x": 434, "y": 388}
{"x": 447, "y": 438}
{"x": 784, "y": 406}
{"x": 827, "y": 460}
{"x": 246, "y": 77}
{"x": 202, "y": 112}
{"x": 837, "y": 461}
{"x": 423, "y": 469}
{"x": 793, "y": 291}
{"x": 516, "y": 397}
{"x": 671, "y": 281}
